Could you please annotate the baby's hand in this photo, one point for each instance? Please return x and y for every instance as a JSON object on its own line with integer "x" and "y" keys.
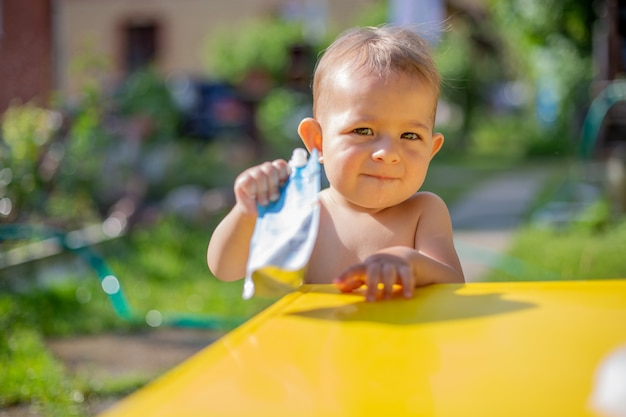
{"x": 384, "y": 269}
{"x": 260, "y": 184}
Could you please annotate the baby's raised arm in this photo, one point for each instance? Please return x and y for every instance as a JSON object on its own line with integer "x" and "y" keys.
{"x": 227, "y": 254}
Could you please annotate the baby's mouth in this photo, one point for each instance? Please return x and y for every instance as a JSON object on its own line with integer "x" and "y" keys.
{"x": 381, "y": 177}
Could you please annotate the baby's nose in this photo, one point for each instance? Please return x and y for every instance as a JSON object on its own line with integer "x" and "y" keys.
{"x": 386, "y": 151}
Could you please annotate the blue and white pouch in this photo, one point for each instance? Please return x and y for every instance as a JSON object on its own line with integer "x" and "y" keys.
{"x": 285, "y": 232}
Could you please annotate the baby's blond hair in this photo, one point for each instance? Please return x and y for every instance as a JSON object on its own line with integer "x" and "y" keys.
{"x": 381, "y": 51}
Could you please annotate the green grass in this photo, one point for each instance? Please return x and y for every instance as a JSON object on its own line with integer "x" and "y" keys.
{"x": 29, "y": 373}
{"x": 575, "y": 253}
{"x": 590, "y": 247}
{"x": 162, "y": 268}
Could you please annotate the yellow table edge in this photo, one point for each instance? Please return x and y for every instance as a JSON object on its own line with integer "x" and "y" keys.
{"x": 212, "y": 355}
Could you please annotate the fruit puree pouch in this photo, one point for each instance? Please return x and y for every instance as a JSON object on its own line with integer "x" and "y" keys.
{"x": 285, "y": 232}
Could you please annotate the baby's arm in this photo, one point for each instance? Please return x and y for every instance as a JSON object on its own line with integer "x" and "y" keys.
{"x": 227, "y": 254}
{"x": 433, "y": 258}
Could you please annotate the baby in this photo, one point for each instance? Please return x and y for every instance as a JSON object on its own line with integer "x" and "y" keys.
{"x": 375, "y": 93}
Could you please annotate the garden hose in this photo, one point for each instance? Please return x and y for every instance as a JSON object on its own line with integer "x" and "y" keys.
{"x": 613, "y": 93}
{"x": 111, "y": 285}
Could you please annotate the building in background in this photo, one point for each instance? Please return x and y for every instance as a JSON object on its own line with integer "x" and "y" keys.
{"x": 26, "y": 51}
{"x": 52, "y": 45}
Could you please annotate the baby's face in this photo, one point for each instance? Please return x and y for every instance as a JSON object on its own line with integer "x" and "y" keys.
{"x": 377, "y": 137}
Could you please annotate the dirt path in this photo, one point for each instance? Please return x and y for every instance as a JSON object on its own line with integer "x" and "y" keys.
{"x": 113, "y": 356}
{"x": 150, "y": 352}
{"x": 144, "y": 355}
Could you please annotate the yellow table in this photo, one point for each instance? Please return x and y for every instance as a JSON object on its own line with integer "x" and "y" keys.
{"x": 479, "y": 349}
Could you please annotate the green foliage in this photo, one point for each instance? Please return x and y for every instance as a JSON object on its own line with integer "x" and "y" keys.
{"x": 543, "y": 46}
{"x": 186, "y": 162}
{"x": 375, "y": 14}
{"x": 595, "y": 218}
{"x": 533, "y": 21}
{"x": 279, "y": 116}
{"x": 26, "y": 131}
{"x": 90, "y": 66}
{"x": 543, "y": 145}
{"x": 46, "y": 165}
{"x": 45, "y": 173}
{"x": 515, "y": 136}
{"x": 450, "y": 56}
{"x": 551, "y": 43}
{"x": 67, "y": 168}
{"x": 144, "y": 95}
{"x": 468, "y": 69}
{"x": 260, "y": 45}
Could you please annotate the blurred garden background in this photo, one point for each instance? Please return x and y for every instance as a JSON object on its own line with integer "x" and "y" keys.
{"x": 124, "y": 124}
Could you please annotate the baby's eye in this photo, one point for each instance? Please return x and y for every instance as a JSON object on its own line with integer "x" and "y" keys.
{"x": 411, "y": 136}
{"x": 363, "y": 131}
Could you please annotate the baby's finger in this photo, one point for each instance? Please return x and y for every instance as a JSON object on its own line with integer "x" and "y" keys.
{"x": 405, "y": 275}
{"x": 373, "y": 278}
{"x": 267, "y": 181}
{"x": 270, "y": 182}
{"x": 389, "y": 278}
{"x": 283, "y": 170}
{"x": 351, "y": 279}
{"x": 246, "y": 192}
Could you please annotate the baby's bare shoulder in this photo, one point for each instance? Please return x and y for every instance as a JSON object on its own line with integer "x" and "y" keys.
{"x": 424, "y": 200}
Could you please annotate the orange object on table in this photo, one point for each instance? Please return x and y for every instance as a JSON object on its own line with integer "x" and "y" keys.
{"x": 477, "y": 349}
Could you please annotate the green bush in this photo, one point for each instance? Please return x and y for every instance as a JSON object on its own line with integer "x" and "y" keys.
{"x": 144, "y": 95}
{"x": 259, "y": 45}
{"x": 279, "y": 115}
{"x": 53, "y": 162}
{"x": 67, "y": 168}
{"x": 26, "y": 131}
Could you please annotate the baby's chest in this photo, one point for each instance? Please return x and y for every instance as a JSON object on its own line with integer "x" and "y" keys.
{"x": 340, "y": 245}
{"x": 359, "y": 238}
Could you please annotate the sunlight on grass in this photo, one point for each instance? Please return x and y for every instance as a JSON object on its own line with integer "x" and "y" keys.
{"x": 165, "y": 269}
{"x": 162, "y": 268}
{"x": 577, "y": 253}
{"x": 30, "y": 375}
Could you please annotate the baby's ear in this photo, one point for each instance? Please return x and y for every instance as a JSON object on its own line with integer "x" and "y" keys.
{"x": 437, "y": 144}
{"x": 310, "y": 132}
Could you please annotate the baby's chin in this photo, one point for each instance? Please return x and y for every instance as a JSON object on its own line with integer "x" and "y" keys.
{"x": 376, "y": 203}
